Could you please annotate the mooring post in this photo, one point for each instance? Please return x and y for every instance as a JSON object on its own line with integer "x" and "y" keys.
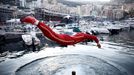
{"x": 73, "y": 73}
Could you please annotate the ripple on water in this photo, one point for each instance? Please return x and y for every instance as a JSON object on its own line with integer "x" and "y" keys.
{"x": 65, "y": 64}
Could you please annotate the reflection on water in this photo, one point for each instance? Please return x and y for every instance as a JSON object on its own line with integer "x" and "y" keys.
{"x": 123, "y": 41}
{"x": 126, "y": 38}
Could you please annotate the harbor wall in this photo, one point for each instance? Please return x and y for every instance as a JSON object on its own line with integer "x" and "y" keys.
{"x": 13, "y": 42}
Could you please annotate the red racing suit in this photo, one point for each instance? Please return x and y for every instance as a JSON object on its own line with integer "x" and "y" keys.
{"x": 64, "y": 39}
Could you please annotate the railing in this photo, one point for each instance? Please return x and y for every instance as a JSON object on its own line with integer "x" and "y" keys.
{"x": 56, "y": 12}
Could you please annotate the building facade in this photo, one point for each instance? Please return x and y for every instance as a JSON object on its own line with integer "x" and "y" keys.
{"x": 11, "y": 2}
{"x": 6, "y": 12}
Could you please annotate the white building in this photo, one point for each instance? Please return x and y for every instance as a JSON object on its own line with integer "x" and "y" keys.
{"x": 31, "y": 4}
{"x": 87, "y": 10}
{"x": 23, "y": 3}
{"x": 53, "y": 5}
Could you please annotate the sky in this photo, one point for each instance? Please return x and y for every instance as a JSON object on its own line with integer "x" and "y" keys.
{"x": 88, "y": 0}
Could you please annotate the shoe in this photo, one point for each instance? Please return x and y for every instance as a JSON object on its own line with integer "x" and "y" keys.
{"x": 28, "y": 19}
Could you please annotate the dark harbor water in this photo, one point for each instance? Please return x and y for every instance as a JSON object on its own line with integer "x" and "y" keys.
{"x": 124, "y": 41}
{"x": 116, "y": 57}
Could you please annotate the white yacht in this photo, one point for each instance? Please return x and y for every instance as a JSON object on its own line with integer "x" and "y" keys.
{"x": 99, "y": 27}
{"x": 112, "y": 27}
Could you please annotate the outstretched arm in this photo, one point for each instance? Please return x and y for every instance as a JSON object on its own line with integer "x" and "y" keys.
{"x": 92, "y": 37}
{"x": 84, "y": 36}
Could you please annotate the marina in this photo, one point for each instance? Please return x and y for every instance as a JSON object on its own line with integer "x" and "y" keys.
{"x": 66, "y": 37}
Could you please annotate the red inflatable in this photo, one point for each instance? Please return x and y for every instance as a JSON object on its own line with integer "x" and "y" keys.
{"x": 62, "y": 39}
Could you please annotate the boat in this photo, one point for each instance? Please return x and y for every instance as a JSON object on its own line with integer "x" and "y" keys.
{"x": 96, "y": 28}
{"x": 66, "y": 26}
{"x": 112, "y": 27}
{"x": 31, "y": 38}
{"x": 130, "y": 22}
{"x": 125, "y": 26}
{"x": 72, "y": 25}
{"x": 100, "y": 30}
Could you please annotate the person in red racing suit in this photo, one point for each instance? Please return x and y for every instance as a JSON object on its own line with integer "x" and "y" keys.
{"x": 62, "y": 39}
